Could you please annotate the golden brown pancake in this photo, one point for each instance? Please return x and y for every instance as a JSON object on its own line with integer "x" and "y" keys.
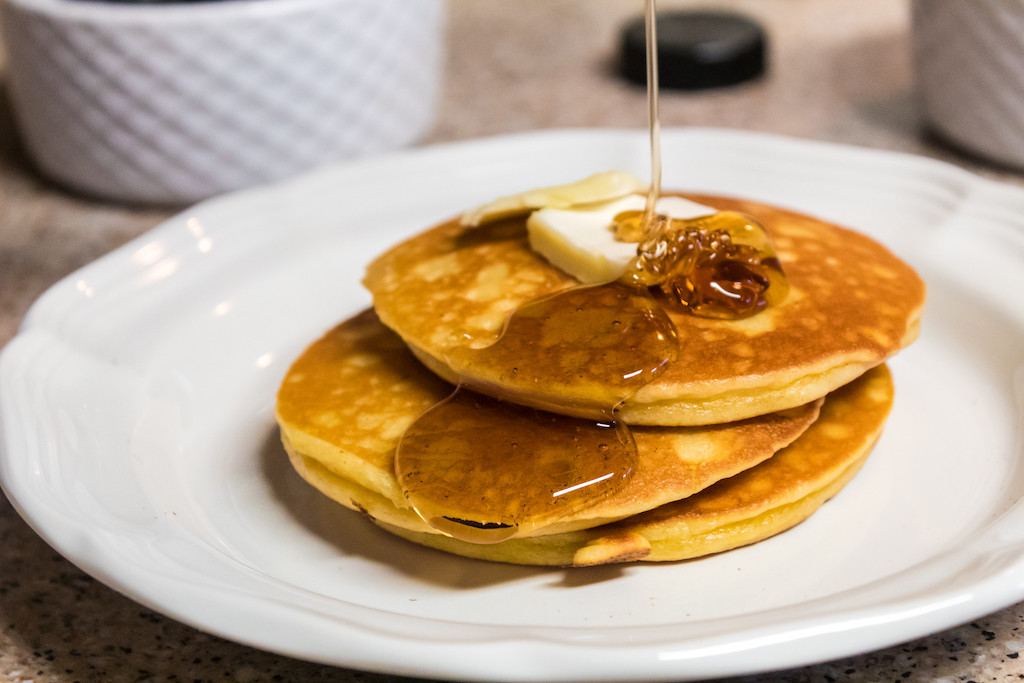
{"x": 852, "y": 304}
{"x": 749, "y": 507}
{"x": 348, "y": 399}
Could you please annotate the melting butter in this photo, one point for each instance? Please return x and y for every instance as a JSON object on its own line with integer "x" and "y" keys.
{"x": 581, "y": 241}
{"x": 594, "y": 189}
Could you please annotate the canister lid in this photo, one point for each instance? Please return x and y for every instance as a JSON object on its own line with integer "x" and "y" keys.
{"x": 696, "y": 49}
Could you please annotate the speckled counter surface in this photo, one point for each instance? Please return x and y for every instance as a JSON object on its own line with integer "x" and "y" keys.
{"x": 840, "y": 71}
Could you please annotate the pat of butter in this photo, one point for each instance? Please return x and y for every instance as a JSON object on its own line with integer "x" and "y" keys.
{"x": 580, "y": 240}
{"x": 594, "y": 189}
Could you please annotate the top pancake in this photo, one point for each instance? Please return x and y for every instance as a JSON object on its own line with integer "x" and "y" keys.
{"x": 852, "y": 304}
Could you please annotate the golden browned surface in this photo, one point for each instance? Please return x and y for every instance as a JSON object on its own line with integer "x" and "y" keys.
{"x": 756, "y": 504}
{"x": 852, "y": 304}
{"x": 346, "y": 402}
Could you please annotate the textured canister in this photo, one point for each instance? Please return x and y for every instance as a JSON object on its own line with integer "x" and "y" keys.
{"x": 969, "y": 65}
{"x": 171, "y": 103}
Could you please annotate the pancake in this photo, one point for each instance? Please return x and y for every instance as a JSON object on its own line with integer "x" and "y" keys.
{"x": 346, "y": 451}
{"x": 852, "y": 304}
{"x": 754, "y": 505}
{"x": 347, "y": 400}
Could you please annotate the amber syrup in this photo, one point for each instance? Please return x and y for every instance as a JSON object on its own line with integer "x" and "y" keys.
{"x": 484, "y": 470}
{"x": 653, "y": 115}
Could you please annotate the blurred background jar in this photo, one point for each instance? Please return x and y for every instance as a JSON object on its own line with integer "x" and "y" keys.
{"x": 969, "y": 69}
{"x": 171, "y": 102}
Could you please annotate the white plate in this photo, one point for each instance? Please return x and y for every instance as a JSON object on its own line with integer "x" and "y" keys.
{"x": 138, "y": 437}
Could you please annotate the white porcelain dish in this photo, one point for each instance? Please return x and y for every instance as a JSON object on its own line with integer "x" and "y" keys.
{"x": 138, "y": 436}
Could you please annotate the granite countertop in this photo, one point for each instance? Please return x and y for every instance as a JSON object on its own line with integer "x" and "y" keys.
{"x": 840, "y": 71}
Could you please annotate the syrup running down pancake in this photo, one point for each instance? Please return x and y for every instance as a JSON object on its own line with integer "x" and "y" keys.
{"x": 754, "y": 505}
{"x": 348, "y": 400}
{"x": 851, "y": 305}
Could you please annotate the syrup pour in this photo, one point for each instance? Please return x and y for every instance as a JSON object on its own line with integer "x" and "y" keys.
{"x": 650, "y": 217}
{"x": 483, "y": 470}
{"x": 720, "y": 266}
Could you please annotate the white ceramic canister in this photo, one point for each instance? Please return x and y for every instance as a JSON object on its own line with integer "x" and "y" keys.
{"x": 175, "y": 102}
{"x": 969, "y": 66}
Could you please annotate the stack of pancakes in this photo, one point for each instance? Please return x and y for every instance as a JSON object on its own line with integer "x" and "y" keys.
{"x": 755, "y": 424}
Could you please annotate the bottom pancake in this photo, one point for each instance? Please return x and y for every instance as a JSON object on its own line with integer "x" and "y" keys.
{"x": 754, "y": 502}
{"x": 749, "y": 507}
{"x": 348, "y": 399}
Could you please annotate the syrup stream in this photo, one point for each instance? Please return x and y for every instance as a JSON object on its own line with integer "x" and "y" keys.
{"x": 654, "y": 115}
{"x": 484, "y": 471}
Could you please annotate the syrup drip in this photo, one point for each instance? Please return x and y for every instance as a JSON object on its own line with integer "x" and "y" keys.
{"x": 610, "y": 339}
{"x": 482, "y": 470}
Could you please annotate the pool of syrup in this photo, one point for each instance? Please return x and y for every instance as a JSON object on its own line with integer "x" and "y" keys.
{"x": 484, "y": 470}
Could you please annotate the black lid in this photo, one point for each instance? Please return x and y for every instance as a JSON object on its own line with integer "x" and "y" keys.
{"x": 696, "y": 49}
